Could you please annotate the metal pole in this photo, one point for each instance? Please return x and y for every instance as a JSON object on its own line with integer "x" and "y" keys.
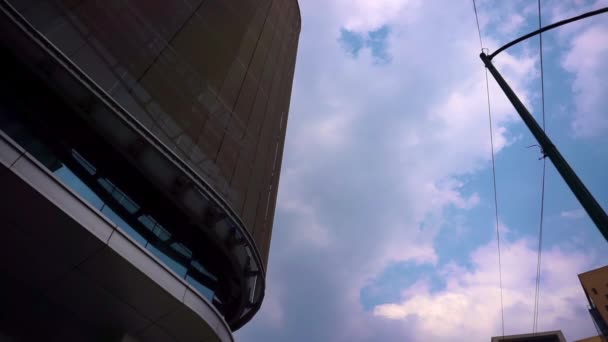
{"x": 585, "y": 198}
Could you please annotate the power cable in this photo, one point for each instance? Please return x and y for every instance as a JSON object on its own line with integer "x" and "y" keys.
{"x": 542, "y": 198}
{"x": 477, "y": 20}
{"x": 502, "y": 310}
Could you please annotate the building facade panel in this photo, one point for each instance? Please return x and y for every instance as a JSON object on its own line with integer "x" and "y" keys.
{"x": 211, "y": 80}
{"x": 595, "y": 285}
{"x": 546, "y": 336}
{"x": 225, "y": 50}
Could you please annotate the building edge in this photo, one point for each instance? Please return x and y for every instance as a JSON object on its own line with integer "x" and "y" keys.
{"x": 198, "y": 183}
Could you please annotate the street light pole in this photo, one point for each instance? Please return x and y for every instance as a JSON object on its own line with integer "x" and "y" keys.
{"x": 586, "y": 199}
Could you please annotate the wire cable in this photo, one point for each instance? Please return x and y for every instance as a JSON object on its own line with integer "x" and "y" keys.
{"x": 502, "y": 310}
{"x": 477, "y": 20}
{"x": 542, "y": 198}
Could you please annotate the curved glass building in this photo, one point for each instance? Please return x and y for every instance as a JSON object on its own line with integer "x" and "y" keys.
{"x": 140, "y": 154}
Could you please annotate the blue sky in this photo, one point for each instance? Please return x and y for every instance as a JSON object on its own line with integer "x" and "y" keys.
{"x": 384, "y": 229}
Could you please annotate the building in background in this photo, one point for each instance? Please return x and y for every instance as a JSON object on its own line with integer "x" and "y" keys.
{"x": 595, "y": 285}
{"x": 140, "y": 154}
{"x": 593, "y": 339}
{"x": 547, "y": 336}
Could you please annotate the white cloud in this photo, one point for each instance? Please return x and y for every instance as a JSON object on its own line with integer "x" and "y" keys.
{"x": 573, "y": 214}
{"x": 470, "y": 303}
{"x": 364, "y": 15}
{"x": 513, "y": 24}
{"x": 586, "y": 60}
{"x": 375, "y": 156}
{"x": 560, "y": 10}
{"x": 585, "y": 48}
{"x": 306, "y": 228}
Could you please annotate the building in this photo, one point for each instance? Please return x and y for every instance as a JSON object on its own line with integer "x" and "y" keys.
{"x": 592, "y": 339}
{"x": 140, "y": 154}
{"x": 595, "y": 285}
{"x": 547, "y": 336}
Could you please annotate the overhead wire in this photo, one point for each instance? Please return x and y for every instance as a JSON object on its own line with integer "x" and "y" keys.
{"x": 477, "y": 21}
{"x": 542, "y": 198}
{"x": 502, "y": 311}
{"x": 595, "y": 211}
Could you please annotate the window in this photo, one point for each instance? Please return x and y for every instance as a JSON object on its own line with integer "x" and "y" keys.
{"x": 85, "y": 178}
{"x": 594, "y": 290}
{"x": 84, "y": 163}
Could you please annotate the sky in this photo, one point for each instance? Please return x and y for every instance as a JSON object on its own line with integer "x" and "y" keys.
{"x": 385, "y": 224}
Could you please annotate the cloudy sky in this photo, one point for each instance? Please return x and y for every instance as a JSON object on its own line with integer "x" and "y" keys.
{"x": 385, "y": 227}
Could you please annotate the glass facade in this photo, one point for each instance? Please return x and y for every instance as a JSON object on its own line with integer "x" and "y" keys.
{"x": 210, "y": 78}
{"x": 96, "y": 186}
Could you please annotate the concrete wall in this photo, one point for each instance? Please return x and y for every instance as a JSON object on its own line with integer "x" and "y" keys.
{"x": 595, "y": 284}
